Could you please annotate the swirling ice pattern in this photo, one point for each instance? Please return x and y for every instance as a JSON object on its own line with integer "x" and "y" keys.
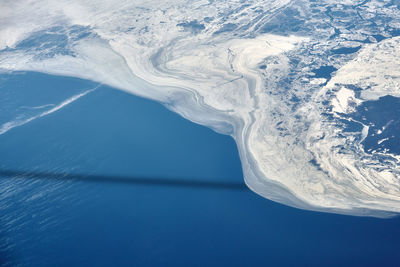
{"x": 244, "y": 68}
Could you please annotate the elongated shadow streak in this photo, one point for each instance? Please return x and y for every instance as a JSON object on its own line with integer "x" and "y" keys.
{"x": 148, "y": 181}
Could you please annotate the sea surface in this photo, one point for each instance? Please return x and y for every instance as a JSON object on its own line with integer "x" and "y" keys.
{"x": 93, "y": 176}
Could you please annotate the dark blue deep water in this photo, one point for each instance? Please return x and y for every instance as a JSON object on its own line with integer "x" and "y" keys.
{"x": 175, "y": 219}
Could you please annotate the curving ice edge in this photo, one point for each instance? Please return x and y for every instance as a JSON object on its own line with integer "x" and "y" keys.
{"x": 217, "y": 80}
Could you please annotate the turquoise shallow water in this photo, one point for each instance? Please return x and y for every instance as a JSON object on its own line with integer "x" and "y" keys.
{"x": 195, "y": 211}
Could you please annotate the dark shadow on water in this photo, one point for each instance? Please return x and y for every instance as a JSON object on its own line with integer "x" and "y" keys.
{"x": 147, "y": 181}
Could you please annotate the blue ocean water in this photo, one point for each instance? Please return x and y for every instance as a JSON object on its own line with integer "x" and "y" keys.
{"x": 56, "y": 222}
{"x": 382, "y": 117}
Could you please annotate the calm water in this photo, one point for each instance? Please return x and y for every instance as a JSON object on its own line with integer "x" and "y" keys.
{"x": 51, "y": 222}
